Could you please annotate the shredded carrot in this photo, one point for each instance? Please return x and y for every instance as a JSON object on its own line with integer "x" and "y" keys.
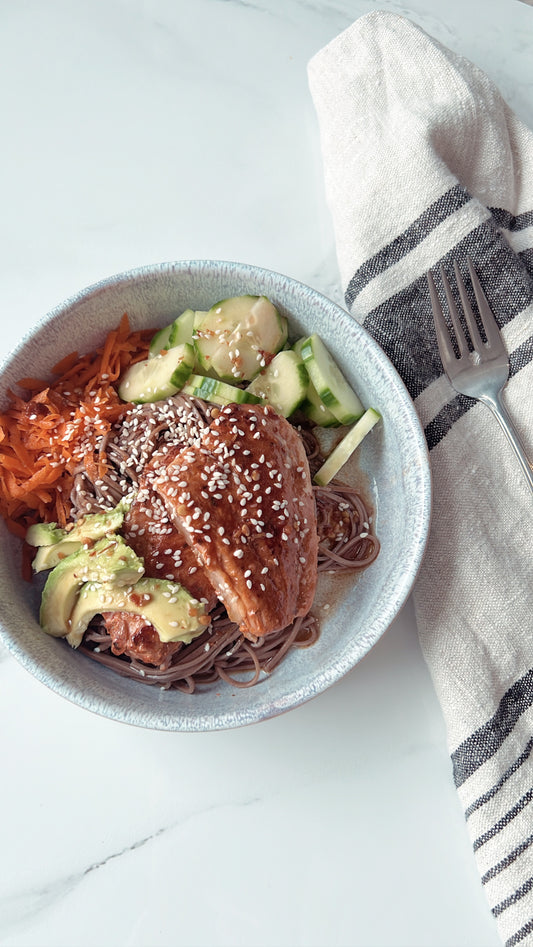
{"x": 31, "y": 384}
{"x": 55, "y": 430}
{"x": 63, "y": 366}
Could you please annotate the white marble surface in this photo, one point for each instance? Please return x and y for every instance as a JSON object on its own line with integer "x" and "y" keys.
{"x": 136, "y": 131}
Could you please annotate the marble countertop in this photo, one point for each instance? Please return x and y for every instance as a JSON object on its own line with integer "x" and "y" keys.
{"x": 138, "y": 131}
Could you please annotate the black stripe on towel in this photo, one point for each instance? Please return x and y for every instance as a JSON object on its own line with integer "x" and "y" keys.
{"x": 513, "y": 898}
{"x": 412, "y": 236}
{"x": 486, "y": 741}
{"x": 508, "y": 860}
{"x": 487, "y": 796}
{"x": 439, "y": 426}
{"x": 432, "y": 217}
{"x": 403, "y": 324}
{"x": 523, "y": 932}
{"x": 526, "y": 257}
{"x": 504, "y": 821}
{"x": 503, "y": 218}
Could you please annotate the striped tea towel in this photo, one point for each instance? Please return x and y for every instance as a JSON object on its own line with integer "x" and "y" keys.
{"x": 423, "y": 164}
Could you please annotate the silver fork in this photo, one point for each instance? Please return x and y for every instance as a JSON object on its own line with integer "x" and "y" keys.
{"x": 483, "y": 372}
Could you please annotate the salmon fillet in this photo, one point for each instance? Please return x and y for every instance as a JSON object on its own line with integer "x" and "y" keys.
{"x": 152, "y": 535}
{"x": 241, "y": 497}
{"x": 134, "y": 636}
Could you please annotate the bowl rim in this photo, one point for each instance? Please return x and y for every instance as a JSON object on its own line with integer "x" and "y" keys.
{"x": 420, "y": 533}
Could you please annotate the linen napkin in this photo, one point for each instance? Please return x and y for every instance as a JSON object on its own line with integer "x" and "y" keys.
{"x": 425, "y": 163}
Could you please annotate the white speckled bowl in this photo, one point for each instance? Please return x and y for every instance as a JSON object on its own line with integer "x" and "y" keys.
{"x": 394, "y": 459}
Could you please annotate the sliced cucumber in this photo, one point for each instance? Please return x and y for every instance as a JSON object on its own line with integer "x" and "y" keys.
{"x": 178, "y": 332}
{"x": 330, "y": 384}
{"x": 285, "y": 332}
{"x": 160, "y": 341}
{"x": 314, "y": 408}
{"x": 237, "y": 337}
{"x": 159, "y": 377}
{"x": 283, "y": 383}
{"x": 345, "y": 448}
{"x": 217, "y": 392}
{"x": 182, "y": 329}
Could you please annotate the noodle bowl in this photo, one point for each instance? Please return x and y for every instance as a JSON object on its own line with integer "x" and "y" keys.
{"x": 394, "y": 468}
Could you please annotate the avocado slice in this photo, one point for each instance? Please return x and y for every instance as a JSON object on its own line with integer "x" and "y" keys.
{"x": 174, "y": 613}
{"x": 55, "y": 543}
{"x": 49, "y": 556}
{"x": 96, "y": 525}
{"x": 45, "y": 534}
{"x": 110, "y": 560}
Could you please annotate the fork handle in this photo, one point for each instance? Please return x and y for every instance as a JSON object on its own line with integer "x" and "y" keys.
{"x": 499, "y": 411}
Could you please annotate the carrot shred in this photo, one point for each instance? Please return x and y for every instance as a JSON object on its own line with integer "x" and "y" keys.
{"x": 46, "y": 437}
{"x": 31, "y": 384}
{"x": 63, "y": 366}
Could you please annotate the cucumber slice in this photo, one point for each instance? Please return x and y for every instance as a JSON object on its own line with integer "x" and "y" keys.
{"x": 315, "y": 409}
{"x": 159, "y": 377}
{"x": 178, "y": 332}
{"x": 285, "y": 332}
{"x": 312, "y": 406}
{"x": 182, "y": 329}
{"x": 345, "y": 448}
{"x": 217, "y": 392}
{"x": 283, "y": 383}
{"x": 160, "y": 341}
{"x": 237, "y": 337}
{"x": 330, "y": 384}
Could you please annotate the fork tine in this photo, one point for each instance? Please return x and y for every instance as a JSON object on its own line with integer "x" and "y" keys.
{"x": 488, "y": 321}
{"x": 470, "y": 319}
{"x": 447, "y": 353}
{"x": 454, "y": 315}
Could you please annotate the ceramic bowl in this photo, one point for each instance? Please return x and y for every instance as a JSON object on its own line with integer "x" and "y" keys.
{"x": 393, "y": 462}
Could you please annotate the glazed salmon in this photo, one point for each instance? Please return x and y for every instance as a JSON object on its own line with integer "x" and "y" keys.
{"x": 138, "y": 639}
{"x": 152, "y": 535}
{"x": 241, "y": 497}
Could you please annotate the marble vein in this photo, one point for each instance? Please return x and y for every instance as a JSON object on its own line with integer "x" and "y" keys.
{"x": 21, "y": 908}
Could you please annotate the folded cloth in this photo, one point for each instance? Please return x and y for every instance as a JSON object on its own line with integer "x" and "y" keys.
{"x": 425, "y": 163}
